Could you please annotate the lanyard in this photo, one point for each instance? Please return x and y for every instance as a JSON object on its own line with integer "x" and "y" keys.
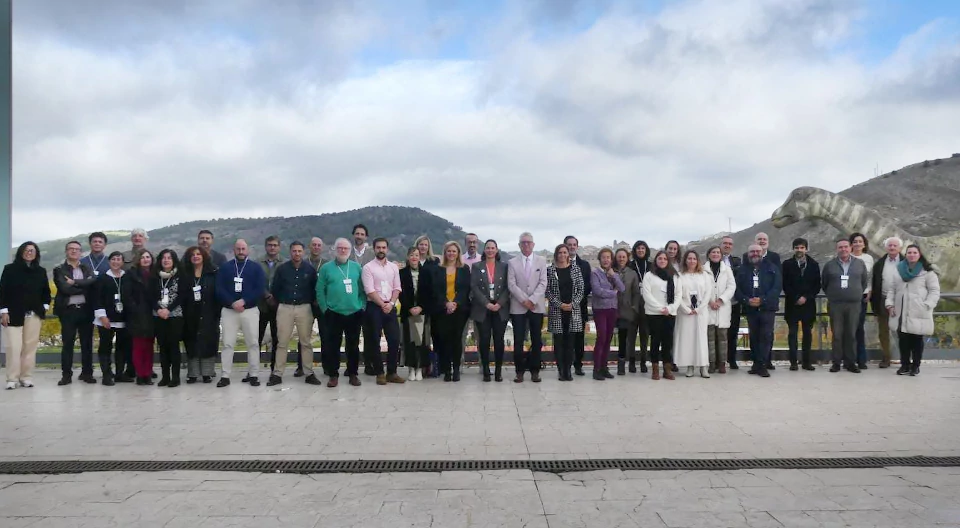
{"x": 96, "y": 265}
{"x": 163, "y": 284}
{"x": 117, "y": 280}
{"x": 341, "y": 270}
{"x": 239, "y": 269}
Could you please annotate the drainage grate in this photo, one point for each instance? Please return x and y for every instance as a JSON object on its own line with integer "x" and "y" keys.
{"x": 405, "y": 466}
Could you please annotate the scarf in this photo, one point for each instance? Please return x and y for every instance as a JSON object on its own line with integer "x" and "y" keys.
{"x": 168, "y": 274}
{"x": 662, "y": 273}
{"x": 715, "y": 268}
{"x": 906, "y": 272}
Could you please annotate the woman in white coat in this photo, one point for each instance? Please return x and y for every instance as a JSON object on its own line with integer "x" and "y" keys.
{"x": 911, "y": 301}
{"x": 662, "y": 291}
{"x": 723, "y": 288}
{"x": 691, "y": 333}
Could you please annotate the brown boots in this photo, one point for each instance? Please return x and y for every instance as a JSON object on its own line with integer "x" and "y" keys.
{"x": 667, "y": 371}
{"x": 656, "y": 371}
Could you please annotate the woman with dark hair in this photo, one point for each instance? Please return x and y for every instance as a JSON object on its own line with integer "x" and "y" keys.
{"x": 723, "y": 287}
{"x": 910, "y": 303}
{"x": 640, "y": 262}
{"x": 661, "y": 297}
{"x": 168, "y": 291}
{"x": 491, "y": 307}
{"x": 672, "y": 250}
{"x": 691, "y": 329}
{"x": 605, "y": 287}
{"x": 109, "y": 315}
{"x": 201, "y": 314}
{"x": 414, "y": 323}
{"x": 138, "y": 306}
{"x": 859, "y": 247}
{"x": 24, "y": 301}
{"x": 565, "y": 287}
{"x": 453, "y": 310}
{"x": 629, "y": 305}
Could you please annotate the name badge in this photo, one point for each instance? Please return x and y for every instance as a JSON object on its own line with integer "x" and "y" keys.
{"x": 756, "y": 281}
{"x": 196, "y": 293}
{"x": 385, "y": 289}
{"x": 844, "y": 281}
{"x": 491, "y": 289}
{"x": 118, "y": 306}
{"x": 237, "y": 284}
{"x": 96, "y": 273}
{"x": 348, "y": 285}
{"x": 165, "y": 297}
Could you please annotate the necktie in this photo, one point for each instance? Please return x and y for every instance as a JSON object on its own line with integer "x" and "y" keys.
{"x": 526, "y": 266}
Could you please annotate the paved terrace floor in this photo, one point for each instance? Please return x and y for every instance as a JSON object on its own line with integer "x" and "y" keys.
{"x": 792, "y": 414}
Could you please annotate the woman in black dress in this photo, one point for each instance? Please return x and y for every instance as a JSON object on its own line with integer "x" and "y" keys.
{"x": 201, "y": 315}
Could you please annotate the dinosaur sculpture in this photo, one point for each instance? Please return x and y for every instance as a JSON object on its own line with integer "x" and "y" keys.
{"x": 809, "y": 203}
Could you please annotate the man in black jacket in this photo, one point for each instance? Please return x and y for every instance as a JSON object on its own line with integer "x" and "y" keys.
{"x": 801, "y": 284}
{"x": 726, "y": 248}
{"x": 578, "y": 338}
{"x": 73, "y": 305}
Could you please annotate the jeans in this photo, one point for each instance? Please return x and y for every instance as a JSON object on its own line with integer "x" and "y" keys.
{"x": 761, "y": 336}
{"x": 911, "y": 349}
{"x": 387, "y": 323}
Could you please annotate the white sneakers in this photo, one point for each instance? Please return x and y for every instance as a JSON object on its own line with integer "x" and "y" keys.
{"x": 11, "y": 385}
{"x": 704, "y": 373}
{"x": 418, "y": 374}
{"x": 26, "y": 383}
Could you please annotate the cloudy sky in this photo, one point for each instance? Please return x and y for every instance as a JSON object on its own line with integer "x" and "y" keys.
{"x": 639, "y": 119}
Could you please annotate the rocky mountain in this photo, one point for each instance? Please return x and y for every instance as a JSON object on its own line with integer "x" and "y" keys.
{"x": 400, "y": 225}
{"x": 921, "y": 198}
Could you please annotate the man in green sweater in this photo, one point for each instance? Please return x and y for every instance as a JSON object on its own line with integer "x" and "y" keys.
{"x": 341, "y": 299}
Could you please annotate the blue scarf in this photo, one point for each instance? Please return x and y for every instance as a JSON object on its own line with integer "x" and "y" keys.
{"x": 908, "y": 274}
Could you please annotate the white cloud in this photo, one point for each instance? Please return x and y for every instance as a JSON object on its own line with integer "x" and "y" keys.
{"x": 639, "y": 127}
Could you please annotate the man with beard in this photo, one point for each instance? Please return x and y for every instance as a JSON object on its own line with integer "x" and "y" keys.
{"x": 340, "y": 298}
{"x": 240, "y": 286}
{"x": 362, "y": 254}
{"x": 294, "y": 286}
{"x": 381, "y": 284}
{"x": 578, "y": 338}
{"x": 801, "y": 284}
{"x": 205, "y": 242}
{"x": 758, "y": 290}
{"x": 761, "y": 239}
{"x": 138, "y": 241}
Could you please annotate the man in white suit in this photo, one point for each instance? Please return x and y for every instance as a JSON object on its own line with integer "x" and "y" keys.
{"x": 527, "y": 282}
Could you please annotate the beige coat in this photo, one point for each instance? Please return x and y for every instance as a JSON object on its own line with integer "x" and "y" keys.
{"x": 723, "y": 288}
{"x": 913, "y": 303}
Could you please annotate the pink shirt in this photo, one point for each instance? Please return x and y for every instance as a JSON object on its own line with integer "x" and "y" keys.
{"x": 471, "y": 261}
{"x": 382, "y": 278}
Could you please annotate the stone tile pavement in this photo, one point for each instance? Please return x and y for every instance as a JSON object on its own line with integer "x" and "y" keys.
{"x": 792, "y": 414}
{"x": 893, "y": 497}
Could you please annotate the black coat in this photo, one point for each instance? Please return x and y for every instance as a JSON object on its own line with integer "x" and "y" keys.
{"x": 201, "y": 320}
{"x": 876, "y": 293}
{"x": 138, "y": 303}
{"x": 103, "y": 294}
{"x": 798, "y": 284}
{"x": 587, "y": 288}
{"x": 422, "y": 298}
{"x": 432, "y": 284}
{"x": 24, "y": 289}
{"x": 84, "y": 286}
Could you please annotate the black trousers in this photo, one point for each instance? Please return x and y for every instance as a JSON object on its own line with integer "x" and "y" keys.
{"x": 414, "y": 356}
{"x": 528, "y": 361}
{"x": 911, "y": 349}
{"x": 169, "y": 333}
{"x": 450, "y": 347}
{"x": 807, "y": 339}
{"x": 579, "y": 342}
{"x": 387, "y": 323}
{"x": 368, "y": 345}
{"x": 74, "y": 321}
{"x": 733, "y": 334}
{"x": 341, "y": 328}
{"x": 492, "y": 327}
{"x": 563, "y": 352}
{"x": 661, "y": 337}
{"x": 761, "y": 336}
{"x": 124, "y": 352}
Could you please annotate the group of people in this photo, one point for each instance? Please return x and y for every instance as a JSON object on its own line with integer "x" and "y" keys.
{"x": 673, "y": 308}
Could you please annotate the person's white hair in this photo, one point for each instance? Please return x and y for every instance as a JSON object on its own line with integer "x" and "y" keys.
{"x": 757, "y": 236}
{"x": 896, "y": 239}
{"x": 525, "y": 234}
{"x": 139, "y": 231}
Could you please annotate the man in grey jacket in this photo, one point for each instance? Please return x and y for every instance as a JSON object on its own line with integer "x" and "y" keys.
{"x": 844, "y": 281}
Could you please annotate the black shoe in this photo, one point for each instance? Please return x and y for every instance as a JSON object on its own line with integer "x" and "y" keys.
{"x": 535, "y": 377}
{"x": 674, "y": 367}
{"x": 140, "y": 380}
{"x": 498, "y": 377}
{"x": 245, "y": 379}
{"x": 66, "y": 380}
{"x": 312, "y": 380}
{"x": 456, "y": 375}
{"x": 643, "y": 367}
{"x": 754, "y": 369}
{"x": 621, "y": 370}
{"x": 862, "y": 366}
{"x": 904, "y": 369}
{"x": 223, "y": 382}
{"x": 770, "y": 366}
{"x": 763, "y": 373}
{"x": 107, "y": 380}
{"x": 123, "y": 378}
{"x": 191, "y": 380}
{"x": 254, "y": 381}
{"x": 793, "y": 366}
{"x": 153, "y": 375}
{"x": 486, "y": 377}
{"x": 915, "y": 371}
{"x": 274, "y": 380}
{"x": 298, "y": 373}
{"x": 597, "y": 375}
{"x": 835, "y": 367}
{"x": 164, "y": 382}
{"x": 579, "y": 371}
{"x": 854, "y": 369}
{"x": 632, "y": 366}
{"x": 808, "y": 366}
{"x": 606, "y": 374}
{"x": 207, "y": 379}
{"x": 129, "y": 373}
{"x": 448, "y": 377}
{"x": 175, "y": 382}
{"x": 87, "y": 378}
{"x": 369, "y": 371}
{"x": 734, "y": 366}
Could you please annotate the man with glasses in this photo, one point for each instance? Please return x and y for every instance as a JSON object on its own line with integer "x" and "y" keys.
{"x": 73, "y": 305}
{"x": 527, "y": 282}
{"x": 758, "y": 289}
{"x": 341, "y": 299}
